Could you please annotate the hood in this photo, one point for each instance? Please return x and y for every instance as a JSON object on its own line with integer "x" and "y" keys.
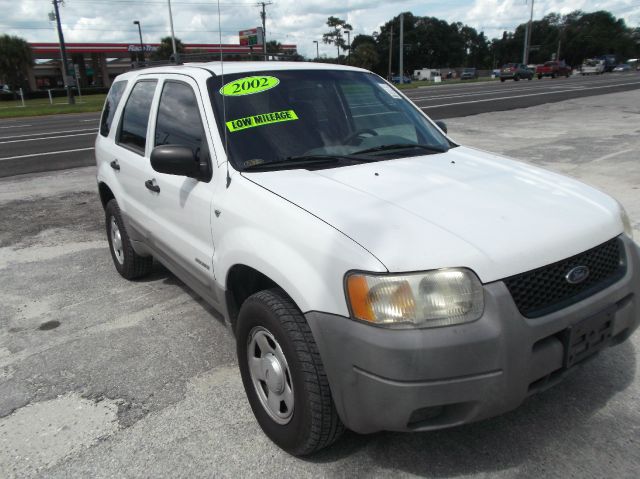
{"x": 462, "y": 208}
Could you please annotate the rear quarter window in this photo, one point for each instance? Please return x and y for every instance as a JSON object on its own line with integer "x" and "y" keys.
{"x": 110, "y": 106}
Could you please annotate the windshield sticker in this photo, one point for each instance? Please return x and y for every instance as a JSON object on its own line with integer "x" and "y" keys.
{"x": 261, "y": 120}
{"x": 392, "y": 93}
{"x": 249, "y": 85}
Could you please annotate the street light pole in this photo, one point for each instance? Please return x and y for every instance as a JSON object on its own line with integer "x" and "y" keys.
{"x": 317, "y": 49}
{"x": 176, "y": 58}
{"x": 401, "y": 66}
{"x": 63, "y": 53}
{"x": 527, "y": 38}
{"x": 136, "y": 22}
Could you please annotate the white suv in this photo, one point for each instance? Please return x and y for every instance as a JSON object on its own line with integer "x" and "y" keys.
{"x": 377, "y": 275}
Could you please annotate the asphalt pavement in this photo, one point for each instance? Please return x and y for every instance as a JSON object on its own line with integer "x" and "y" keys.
{"x": 103, "y": 377}
{"x": 34, "y": 144}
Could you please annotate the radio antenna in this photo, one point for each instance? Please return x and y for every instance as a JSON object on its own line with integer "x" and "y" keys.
{"x": 224, "y": 106}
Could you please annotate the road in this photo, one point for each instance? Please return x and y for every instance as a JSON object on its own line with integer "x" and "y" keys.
{"x": 102, "y": 377}
{"x": 36, "y": 144}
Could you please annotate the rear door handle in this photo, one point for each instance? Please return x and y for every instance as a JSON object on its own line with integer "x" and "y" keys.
{"x": 150, "y": 184}
{"x": 115, "y": 165}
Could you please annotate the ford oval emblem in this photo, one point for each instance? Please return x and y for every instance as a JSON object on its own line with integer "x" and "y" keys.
{"x": 577, "y": 275}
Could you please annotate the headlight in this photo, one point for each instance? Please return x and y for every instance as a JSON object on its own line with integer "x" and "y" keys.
{"x": 441, "y": 297}
{"x": 626, "y": 222}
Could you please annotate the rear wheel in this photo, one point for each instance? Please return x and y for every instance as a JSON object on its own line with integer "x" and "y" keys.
{"x": 516, "y": 78}
{"x": 283, "y": 375}
{"x": 502, "y": 79}
{"x": 129, "y": 264}
{"x": 539, "y": 77}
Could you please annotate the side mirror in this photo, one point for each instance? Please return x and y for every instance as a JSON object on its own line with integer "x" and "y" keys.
{"x": 442, "y": 125}
{"x": 176, "y": 160}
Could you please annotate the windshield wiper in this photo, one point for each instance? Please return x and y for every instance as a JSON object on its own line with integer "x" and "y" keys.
{"x": 304, "y": 160}
{"x": 402, "y": 146}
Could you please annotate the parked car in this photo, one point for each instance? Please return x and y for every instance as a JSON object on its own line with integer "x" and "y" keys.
{"x": 396, "y": 79}
{"x": 469, "y": 74}
{"x": 592, "y": 66}
{"x": 515, "y": 71}
{"x": 376, "y": 274}
{"x": 610, "y": 62}
{"x": 623, "y": 67}
{"x": 553, "y": 69}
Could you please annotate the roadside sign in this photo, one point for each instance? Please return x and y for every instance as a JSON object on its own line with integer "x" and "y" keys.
{"x": 252, "y": 36}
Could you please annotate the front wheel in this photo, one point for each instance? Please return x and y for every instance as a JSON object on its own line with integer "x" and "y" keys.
{"x": 516, "y": 78}
{"x": 539, "y": 77}
{"x": 283, "y": 375}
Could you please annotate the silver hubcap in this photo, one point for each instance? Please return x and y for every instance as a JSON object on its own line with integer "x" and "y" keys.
{"x": 116, "y": 241}
{"x": 270, "y": 375}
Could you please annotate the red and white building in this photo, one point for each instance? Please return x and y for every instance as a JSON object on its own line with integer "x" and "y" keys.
{"x": 98, "y": 63}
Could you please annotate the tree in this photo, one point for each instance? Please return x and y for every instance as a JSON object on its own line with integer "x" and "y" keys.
{"x": 274, "y": 47}
{"x": 165, "y": 50}
{"x": 365, "y": 56}
{"x": 338, "y": 26}
{"x": 15, "y": 60}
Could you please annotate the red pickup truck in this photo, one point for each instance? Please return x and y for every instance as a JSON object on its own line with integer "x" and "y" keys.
{"x": 553, "y": 69}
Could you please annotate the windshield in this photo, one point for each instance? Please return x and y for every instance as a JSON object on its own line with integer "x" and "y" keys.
{"x": 287, "y": 114}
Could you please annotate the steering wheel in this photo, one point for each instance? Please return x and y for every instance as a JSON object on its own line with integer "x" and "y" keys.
{"x": 356, "y": 134}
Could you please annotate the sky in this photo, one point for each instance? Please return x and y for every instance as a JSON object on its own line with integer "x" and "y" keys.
{"x": 288, "y": 21}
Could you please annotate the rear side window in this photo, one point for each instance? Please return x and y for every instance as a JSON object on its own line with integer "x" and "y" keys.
{"x": 110, "y": 105}
{"x": 179, "y": 121}
{"x": 135, "y": 118}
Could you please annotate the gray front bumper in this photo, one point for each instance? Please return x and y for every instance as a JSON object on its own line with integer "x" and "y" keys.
{"x": 424, "y": 379}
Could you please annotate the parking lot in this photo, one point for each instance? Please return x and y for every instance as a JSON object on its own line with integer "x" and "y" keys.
{"x": 102, "y": 377}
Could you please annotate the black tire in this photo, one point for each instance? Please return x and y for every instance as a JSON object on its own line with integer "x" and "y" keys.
{"x": 132, "y": 265}
{"x": 502, "y": 79}
{"x": 516, "y": 78}
{"x": 530, "y": 78}
{"x": 314, "y": 423}
{"x": 539, "y": 77}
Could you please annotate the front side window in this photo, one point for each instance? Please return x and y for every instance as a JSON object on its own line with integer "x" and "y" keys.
{"x": 135, "y": 117}
{"x": 179, "y": 121}
{"x": 277, "y": 116}
{"x": 110, "y": 105}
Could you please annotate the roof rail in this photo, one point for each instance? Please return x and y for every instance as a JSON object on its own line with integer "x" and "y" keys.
{"x": 215, "y": 56}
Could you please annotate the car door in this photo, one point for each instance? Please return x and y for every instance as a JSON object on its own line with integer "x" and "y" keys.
{"x": 181, "y": 227}
{"x": 131, "y": 157}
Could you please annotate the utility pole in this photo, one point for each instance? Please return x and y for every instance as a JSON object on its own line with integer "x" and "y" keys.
{"x": 263, "y": 16}
{"x": 63, "y": 53}
{"x": 176, "y": 57}
{"x": 390, "y": 50}
{"x": 401, "y": 66}
{"x": 317, "y": 49}
{"x": 348, "y": 32}
{"x": 527, "y": 38}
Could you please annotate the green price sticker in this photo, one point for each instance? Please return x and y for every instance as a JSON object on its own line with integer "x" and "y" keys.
{"x": 249, "y": 85}
{"x": 261, "y": 120}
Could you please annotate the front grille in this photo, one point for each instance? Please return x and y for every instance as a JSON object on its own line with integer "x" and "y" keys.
{"x": 545, "y": 290}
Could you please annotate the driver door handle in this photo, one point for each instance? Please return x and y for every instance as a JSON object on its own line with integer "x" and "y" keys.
{"x": 150, "y": 184}
{"x": 115, "y": 165}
